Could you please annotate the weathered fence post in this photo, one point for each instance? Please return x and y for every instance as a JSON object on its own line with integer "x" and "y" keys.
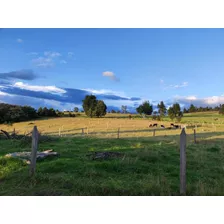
{"x": 183, "y": 162}
{"x": 59, "y": 132}
{"x": 118, "y": 131}
{"x": 154, "y": 132}
{"x": 195, "y": 141}
{"x": 34, "y": 151}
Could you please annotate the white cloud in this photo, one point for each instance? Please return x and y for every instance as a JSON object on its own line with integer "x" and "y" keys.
{"x": 52, "y": 54}
{"x": 105, "y": 92}
{"x": 207, "y": 101}
{"x": 46, "y": 89}
{"x": 3, "y": 94}
{"x": 43, "y": 62}
{"x": 19, "y": 40}
{"x": 161, "y": 81}
{"x": 184, "y": 84}
{"x": 191, "y": 98}
{"x": 176, "y": 86}
{"x": 111, "y": 75}
{"x": 63, "y": 62}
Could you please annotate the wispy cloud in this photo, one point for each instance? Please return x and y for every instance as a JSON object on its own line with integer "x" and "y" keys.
{"x": 46, "y": 89}
{"x": 48, "y": 59}
{"x": 104, "y": 92}
{"x": 21, "y": 74}
{"x": 19, "y": 40}
{"x": 63, "y": 62}
{"x": 52, "y": 54}
{"x": 184, "y": 84}
{"x": 43, "y": 62}
{"x": 111, "y": 75}
{"x": 173, "y": 86}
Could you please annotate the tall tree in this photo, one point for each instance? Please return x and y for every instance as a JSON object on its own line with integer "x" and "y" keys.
{"x": 185, "y": 110}
{"x": 94, "y": 107}
{"x": 145, "y": 108}
{"x": 40, "y": 111}
{"x": 89, "y": 105}
{"x": 76, "y": 109}
{"x": 162, "y": 109}
{"x": 124, "y": 109}
{"x": 221, "y": 110}
{"x": 192, "y": 108}
{"x": 101, "y": 109}
{"x": 175, "y": 112}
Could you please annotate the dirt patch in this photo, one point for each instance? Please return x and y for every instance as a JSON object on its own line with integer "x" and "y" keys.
{"x": 105, "y": 155}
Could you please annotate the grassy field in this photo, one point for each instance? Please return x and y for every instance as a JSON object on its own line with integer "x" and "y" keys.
{"x": 148, "y": 165}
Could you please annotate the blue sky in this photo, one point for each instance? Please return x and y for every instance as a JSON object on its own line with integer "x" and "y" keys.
{"x": 58, "y": 67}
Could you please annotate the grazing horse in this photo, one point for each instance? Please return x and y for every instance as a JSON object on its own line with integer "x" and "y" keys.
{"x": 171, "y": 124}
{"x": 176, "y": 126}
{"x": 150, "y": 125}
{"x": 162, "y": 126}
{"x": 155, "y": 125}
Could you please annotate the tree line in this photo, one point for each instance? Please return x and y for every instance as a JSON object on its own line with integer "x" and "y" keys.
{"x": 97, "y": 108}
{"x": 193, "y": 109}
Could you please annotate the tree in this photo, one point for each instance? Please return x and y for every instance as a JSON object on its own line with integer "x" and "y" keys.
{"x": 145, "y": 108}
{"x": 221, "y": 110}
{"x": 101, "y": 109}
{"x": 162, "y": 109}
{"x": 45, "y": 111}
{"x": 175, "y": 112}
{"x": 76, "y": 109}
{"x": 140, "y": 109}
{"x": 13, "y": 113}
{"x": 192, "y": 108}
{"x": 51, "y": 113}
{"x": 124, "y": 109}
{"x": 40, "y": 111}
{"x": 29, "y": 112}
{"x": 113, "y": 111}
{"x": 185, "y": 110}
{"x": 94, "y": 107}
{"x": 89, "y": 105}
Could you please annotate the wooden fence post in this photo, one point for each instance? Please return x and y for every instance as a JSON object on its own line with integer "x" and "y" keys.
{"x": 118, "y": 132}
{"x": 195, "y": 141}
{"x": 34, "y": 151}
{"x": 154, "y": 132}
{"x": 59, "y": 132}
{"x": 183, "y": 162}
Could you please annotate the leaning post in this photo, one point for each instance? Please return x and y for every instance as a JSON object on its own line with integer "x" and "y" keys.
{"x": 183, "y": 162}
{"x": 34, "y": 151}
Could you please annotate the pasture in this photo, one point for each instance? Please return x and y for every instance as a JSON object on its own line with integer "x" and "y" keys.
{"x": 149, "y": 164}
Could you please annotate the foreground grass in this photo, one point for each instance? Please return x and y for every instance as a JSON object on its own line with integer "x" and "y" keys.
{"x": 148, "y": 167}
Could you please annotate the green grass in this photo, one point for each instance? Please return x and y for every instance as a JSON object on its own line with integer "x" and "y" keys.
{"x": 148, "y": 167}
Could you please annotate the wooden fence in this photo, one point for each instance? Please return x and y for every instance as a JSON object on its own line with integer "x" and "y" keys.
{"x": 183, "y": 136}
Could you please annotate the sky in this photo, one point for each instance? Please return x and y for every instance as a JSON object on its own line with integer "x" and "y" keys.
{"x": 58, "y": 67}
